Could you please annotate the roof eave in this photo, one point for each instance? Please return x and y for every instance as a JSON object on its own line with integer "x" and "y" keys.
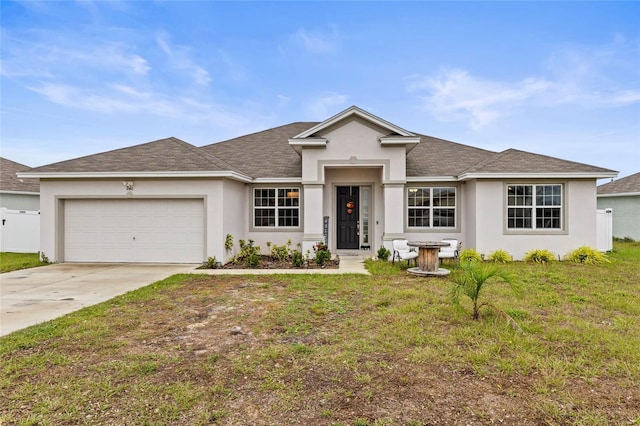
{"x": 118, "y": 175}
{"x": 521, "y": 175}
{"x": 8, "y": 191}
{"x": 431, "y": 179}
{"x": 620, "y": 194}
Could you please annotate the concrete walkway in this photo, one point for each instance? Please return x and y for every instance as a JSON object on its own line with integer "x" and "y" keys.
{"x": 32, "y": 296}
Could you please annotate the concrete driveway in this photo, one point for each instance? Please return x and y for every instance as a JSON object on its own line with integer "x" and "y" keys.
{"x": 31, "y": 296}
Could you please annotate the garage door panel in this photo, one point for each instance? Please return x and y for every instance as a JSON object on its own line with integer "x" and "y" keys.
{"x": 134, "y": 230}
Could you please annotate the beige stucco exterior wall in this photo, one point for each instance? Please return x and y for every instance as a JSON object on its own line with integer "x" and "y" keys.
{"x": 54, "y": 192}
{"x": 490, "y": 234}
{"x": 235, "y": 214}
{"x": 626, "y": 215}
{"x": 353, "y": 156}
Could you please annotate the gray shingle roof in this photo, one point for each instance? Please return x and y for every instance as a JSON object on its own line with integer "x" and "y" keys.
{"x": 626, "y": 185}
{"x": 516, "y": 161}
{"x": 164, "y": 155}
{"x": 10, "y": 182}
{"x": 265, "y": 154}
{"x": 439, "y": 157}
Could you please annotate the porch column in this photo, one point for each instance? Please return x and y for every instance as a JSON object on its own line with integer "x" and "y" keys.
{"x": 313, "y": 219}
{"x": 393, "y": 213}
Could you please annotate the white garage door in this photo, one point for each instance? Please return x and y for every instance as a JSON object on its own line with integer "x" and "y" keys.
{"x": 168, "y": 230}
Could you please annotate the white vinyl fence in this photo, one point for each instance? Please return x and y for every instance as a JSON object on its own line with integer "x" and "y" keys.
{"x": 19, "y": 231}
{"x": 604, "y": 233}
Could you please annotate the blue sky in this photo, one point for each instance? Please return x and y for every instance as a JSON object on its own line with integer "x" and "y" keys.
{"x": 555, "y": 78}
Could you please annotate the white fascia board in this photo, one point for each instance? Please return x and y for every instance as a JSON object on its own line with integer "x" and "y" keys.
{"x": 309, "y": 142}
{"x": 621, "y": 194}
{"x": 2, "y": 191}
{"x": 119, "y": 175}
{"x": 559, "y": 175}
{"x": 354, "y": 110}
{"x": 431, "y": 179}
{"x": 277, "y": 180}
{"x": 399, "y": 140}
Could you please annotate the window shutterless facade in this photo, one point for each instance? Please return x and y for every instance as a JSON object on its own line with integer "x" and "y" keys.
{"x": 276, "y": 207}
{"x": 534, "y": 206}
{"x": 431, "y": 207}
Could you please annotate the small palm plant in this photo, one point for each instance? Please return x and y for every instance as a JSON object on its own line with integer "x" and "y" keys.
{"x": 471, "y": 277}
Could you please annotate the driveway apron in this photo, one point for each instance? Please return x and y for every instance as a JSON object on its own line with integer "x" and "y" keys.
{"x": 32, "y": 296}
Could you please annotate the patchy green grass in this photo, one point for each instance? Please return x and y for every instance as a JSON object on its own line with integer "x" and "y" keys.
{"x": 386, "y": 349}
{"x": 14, "y": 261}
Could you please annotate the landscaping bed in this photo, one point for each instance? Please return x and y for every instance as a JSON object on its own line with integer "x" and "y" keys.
{"x": 268, "y": 262}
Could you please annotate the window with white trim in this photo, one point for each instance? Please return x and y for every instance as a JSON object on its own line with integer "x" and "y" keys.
{"x": 276, "y": 207}
{"x": 431, "y": 207}
{"x": 534, "y": 206}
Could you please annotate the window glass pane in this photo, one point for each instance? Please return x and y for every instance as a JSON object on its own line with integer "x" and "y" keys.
{"x": 519, "y": 195}
{"x": 365, "y": 215}
{"x": 288, "y": 217}
{"x": 445, "y": 197}
{"x": 265, "y": 217}
{"x": 444, "y": 218}
{"x": 548, "y": 218}
{"x": 419, "y": 217}
{"x": 519, "y": 218}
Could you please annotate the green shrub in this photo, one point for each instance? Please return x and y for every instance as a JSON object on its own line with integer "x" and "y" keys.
{"x": 500, "y": 256}
{"x": 539, "y": 256}
{"x": 586, "y": 255}
{"x": 228, "y": 242}
{"x": 383, "y": 253}
{"x": 297, "y": 259}
{"x": 470, "y": 255}
{"x": 281, "y": 253}
{"x": 249, "y": 254}
{"x": 322, "y": 253}
{"x": 210, "y": 263}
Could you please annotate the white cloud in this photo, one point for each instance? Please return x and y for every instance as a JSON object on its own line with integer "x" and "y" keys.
{"x": 326, "y": 105}
{"x": 317, "y": 42}
{"x": 457, "y": 95}
{"x": 574, "y": 76}
{"x": 179, "y": 58}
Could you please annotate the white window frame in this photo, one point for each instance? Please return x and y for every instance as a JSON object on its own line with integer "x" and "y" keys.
{"x": 431, "y": 208}
{"x": 534, "y": 206}
{"x": 277, "y": 207}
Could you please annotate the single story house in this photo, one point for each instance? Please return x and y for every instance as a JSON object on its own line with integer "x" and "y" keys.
{"x": 354, "y": 179}
{"x": 17, "y": 194}
{"x": 623, "y": 197}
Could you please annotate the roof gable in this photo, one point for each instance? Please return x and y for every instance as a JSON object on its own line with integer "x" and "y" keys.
{"x": 353, "y": 111}
{"x": 10, "y": 182}
{"x": 629, "y": 185}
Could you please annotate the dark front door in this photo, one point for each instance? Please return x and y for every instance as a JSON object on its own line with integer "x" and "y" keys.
{"x": 348, "y": 215}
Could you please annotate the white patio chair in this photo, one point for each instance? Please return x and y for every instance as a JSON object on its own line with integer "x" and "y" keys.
{"x": 402, "y": 251}
{"x": 451, "y": 251}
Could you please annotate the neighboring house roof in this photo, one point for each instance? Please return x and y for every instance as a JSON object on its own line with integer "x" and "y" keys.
{"x": 10, "y": 182}
{"x": 629, "y": 185}
{"x": 273, "y": 154}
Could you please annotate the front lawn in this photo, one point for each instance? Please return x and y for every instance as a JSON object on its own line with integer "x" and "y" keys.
{"x": 15, "y": 261}
{"x": 387, "y": 349}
